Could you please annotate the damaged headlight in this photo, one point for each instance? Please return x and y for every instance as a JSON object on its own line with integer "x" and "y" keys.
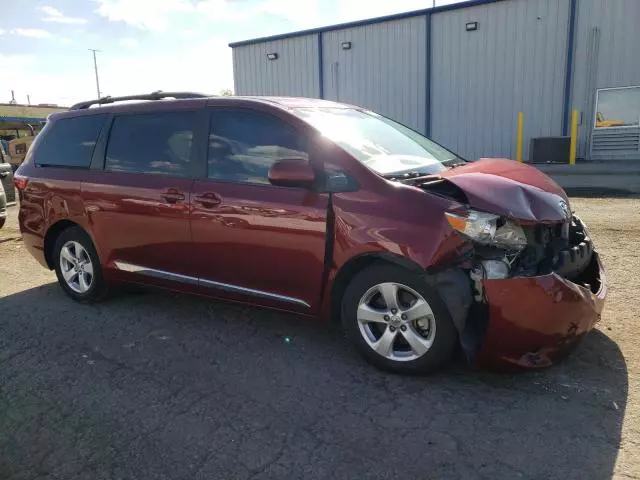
{"x": 488, "y": 229}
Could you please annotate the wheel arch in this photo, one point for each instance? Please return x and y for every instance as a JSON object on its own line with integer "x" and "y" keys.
{"x": 451, "y": 285}
{"x": 52, "y": 235}
{"x": 355, "y": 265}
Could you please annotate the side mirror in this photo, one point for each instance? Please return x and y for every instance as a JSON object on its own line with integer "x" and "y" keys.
{"x": 293, "y": 172}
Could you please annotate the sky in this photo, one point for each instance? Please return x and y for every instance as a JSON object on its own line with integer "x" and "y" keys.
{"x": 148, "y": 45}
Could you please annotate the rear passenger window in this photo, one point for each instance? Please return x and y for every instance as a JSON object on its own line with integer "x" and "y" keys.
{"x": 244, "y": 144}
{"x": 158, "y": 143}
{"x": 69, "y": 142}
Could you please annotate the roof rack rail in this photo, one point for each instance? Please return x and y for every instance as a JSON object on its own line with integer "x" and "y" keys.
{"x": 158, "y": 95}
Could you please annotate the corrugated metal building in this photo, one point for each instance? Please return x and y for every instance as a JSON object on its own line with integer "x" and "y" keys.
{"x": 461, "y": 73}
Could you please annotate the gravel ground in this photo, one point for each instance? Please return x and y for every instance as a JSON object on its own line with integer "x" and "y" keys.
{"x": 163, "y": 386}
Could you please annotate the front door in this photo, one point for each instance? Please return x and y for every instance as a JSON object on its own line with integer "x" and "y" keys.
{"x": 138, "y": 206}
{"x": 254, "y": 241}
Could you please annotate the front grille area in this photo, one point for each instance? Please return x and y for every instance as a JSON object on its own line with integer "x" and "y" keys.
{"x": 564, "y": 248}
{"x": 576, "y": 256}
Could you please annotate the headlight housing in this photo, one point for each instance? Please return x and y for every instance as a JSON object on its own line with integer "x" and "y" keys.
{"x": 488, "y": 229}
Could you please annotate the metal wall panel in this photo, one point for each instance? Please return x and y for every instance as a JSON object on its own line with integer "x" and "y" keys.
{"x": 607, "y": 54}
{"x": 385, "y": 69}
{"x": 294, "y": 73}
{"x": 515, "y": 61}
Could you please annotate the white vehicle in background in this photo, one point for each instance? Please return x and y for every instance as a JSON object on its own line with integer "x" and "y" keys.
{"x": 6, "y": 179}
{"x": 3, "y": 207}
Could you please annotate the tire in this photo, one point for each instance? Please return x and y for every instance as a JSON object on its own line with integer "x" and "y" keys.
{"x": 10, "y": 193}
{"x": 427, "y": 326}
{"x": 81, "y": 287}
{"x": 2, "y": 221}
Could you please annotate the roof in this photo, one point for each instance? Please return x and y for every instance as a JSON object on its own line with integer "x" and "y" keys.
{"x": 154, "y": 105}
{"x": 22, "y": 119}
{"x": 132, "y": 106}
{"x": 19, "y": 123}
{"x": 369, "y": 21}
{"x": 294, "y": 102}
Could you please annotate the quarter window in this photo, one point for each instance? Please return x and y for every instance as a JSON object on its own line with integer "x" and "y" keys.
{"x": 244, "y": 144}
{"x": 156, "y": 143}
{"x": 69, "y": 142}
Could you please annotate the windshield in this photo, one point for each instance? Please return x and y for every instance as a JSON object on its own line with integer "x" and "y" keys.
{"x": 383, "y": 145}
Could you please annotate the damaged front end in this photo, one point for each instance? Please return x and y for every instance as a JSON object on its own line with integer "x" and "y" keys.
{"x": 532, "y": 306}
{"x": 536, "y": 281}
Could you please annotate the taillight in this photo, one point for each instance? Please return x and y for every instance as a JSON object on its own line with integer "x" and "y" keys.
{"x": 20, "y": 182}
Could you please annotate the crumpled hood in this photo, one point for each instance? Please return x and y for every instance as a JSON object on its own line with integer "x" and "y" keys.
{"x": 512, "y": 189}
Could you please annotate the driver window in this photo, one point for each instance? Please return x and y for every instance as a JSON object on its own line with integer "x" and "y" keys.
{"x": 243, "y": 145}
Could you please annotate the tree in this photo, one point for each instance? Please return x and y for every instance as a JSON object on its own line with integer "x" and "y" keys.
{"x": 226, "y": 92}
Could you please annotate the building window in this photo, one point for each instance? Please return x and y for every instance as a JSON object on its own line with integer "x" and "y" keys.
{"x": 618, "y": 107}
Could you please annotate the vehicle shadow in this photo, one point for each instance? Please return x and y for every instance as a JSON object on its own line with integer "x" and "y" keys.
{"x": 159, "y": 385}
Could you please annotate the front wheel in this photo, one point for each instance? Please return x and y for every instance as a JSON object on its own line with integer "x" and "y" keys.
{"x": 78, "y": 266}
{"x": 397, "y": 321}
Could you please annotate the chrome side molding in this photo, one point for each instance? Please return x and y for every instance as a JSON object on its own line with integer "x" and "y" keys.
{"x": 250, "y": 291}
{"x": 152, "y": 272}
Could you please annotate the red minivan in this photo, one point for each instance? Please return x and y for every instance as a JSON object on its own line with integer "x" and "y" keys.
{"x": 318, "y": 208}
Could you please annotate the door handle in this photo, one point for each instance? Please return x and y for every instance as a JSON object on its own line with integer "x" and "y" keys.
{"x": 172, "y": 196}
{"x": 208, "y": 200}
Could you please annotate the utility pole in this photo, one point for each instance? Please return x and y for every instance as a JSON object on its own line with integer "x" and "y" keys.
{"x": 95, "y": 68}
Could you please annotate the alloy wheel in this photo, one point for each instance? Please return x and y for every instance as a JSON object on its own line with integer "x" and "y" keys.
{"x": 76, "y": 266}
{"x": 396, "y": 321}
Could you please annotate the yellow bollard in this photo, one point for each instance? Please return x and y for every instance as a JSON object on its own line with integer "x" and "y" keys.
{"x": 574, "y": 137}
{"x": 519, "y": 136}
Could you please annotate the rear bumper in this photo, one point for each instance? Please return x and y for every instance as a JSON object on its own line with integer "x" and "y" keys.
{"x": 536, "y": 321}
{"x": 32, "y": 233}
{"x": 35, "y": 247}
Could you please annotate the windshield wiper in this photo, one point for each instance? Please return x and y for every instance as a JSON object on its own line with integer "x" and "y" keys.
{"x": 407, "y": 175}
{"x": 454, "y": 162}
{"x": 402, "y": 175}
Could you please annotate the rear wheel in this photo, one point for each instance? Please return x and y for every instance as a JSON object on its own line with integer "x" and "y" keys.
{"x": 78, "y": 267}
{"x": 397, "y": 321}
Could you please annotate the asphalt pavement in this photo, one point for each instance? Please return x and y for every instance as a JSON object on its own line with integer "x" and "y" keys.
{"x": 158, "y": 385}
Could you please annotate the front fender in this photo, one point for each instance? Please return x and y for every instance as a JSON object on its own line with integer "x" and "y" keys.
{"x": 406, "y": 226}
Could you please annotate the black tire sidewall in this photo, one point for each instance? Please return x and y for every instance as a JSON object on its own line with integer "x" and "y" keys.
{"x": 10, "y": 194}
{"x": 98, "y": 286}
{"x": 446, "y": 333}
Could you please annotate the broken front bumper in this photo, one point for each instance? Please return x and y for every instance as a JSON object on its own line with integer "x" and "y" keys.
{"x": 535, "y": 321}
